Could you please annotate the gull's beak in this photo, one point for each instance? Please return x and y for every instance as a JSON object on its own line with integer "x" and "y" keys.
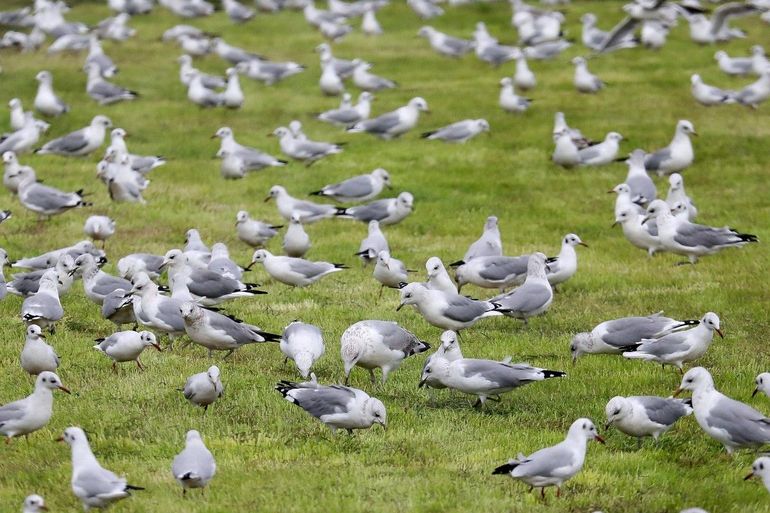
{"x": 267, "y": 199}
{"x": 755, "y": 392}
{"x": 547, "y": 268}
{"x": 64, "y": 389}
{"x": 613, "y": 225}
{"x": 607, "y": 424}
{"x": 610, "y": 191}
{"x": 71, "y": 272}
{"x": 213, "y": 136}
{"x": 384, "y": 426}
{"x": 583, "y": 244}
{"x": 60, "y": 439}
{"x": 164, "y": 264}
{"x": 677, "y": 392}
{"x": 157, "y": 346}
{"x": 720, "y": 332}
{"x": 42, "y": 336}
{"x": 43, "y": 507}
{"x": 694, "y": 133}
{"x": 646, "y": 218}
{"x": 599, "y": 439}
{"x": 248, "y": 267}
{"x": 751, "y": 474}
{"x": 400, "y": 306}
{"x": 421, "y": 383}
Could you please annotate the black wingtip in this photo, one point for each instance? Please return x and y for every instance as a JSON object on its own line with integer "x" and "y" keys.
{"x": 425, "y": 135}
{"x": 553, "y": 374}
{"x": 505, "y": 469}
{"x": 316, "y": 193}
{"x": 269, "y": 337}
{"x": 283, "y": 161}
{"x": 133, "y": 487}
{"x": 457, "y": 264}
{"x": 340, "y": 266}
{"x": 630, "y": 347}
{"x": 341, "y": 211}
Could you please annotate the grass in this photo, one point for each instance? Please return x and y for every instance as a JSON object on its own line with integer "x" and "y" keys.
{"x": 436, "y": 456}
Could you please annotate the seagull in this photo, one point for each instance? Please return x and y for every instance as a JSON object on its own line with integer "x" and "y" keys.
{"x": 438, "y": 277}
{"x": 593, "y": 38}
{"x": 342, "y": 67}
{"x": 358, "y": 188}
{"x": 395, "y": 123}
{"x": 682, "y": 237}
{"x": 675, "y": 157}
{"x": 34, "y": 504}
{"x": 25, "y": 284}
{"x": 153, "y": 310}
{"x": 554, "y": 465}
{"x": 761, "y": 469}
{"x": 330, "y": 81}
{"x": 43, "y": 200}
{"x": 201, "y": 95}
{"x": 217, "y": 332}
{"x": 295, "y": 272}
{"x": 677, "y": 194}
{"x": 95, "y": 486}
{"x": 304, "y": 344}
{"x": 194, "y": 45}
{"x": 96, "y": 283}
{"x": 126, "y": 346}
{"x": 373, "y": 243}
{"x": 733, "y": 65}
{"x": 641, "y": 186}
{"x": 221, "y": 262}
{"x": 369, "y": 24}
{"x": 49, "y": 259}
{"x": 104, "y": 92}
{"x": 654, "y": 34}
{"x": 80, "y": 142}
{"x": 389, "y": 271}
{"x": 709, "y": 95}
{"x": 269, "y": 72}
{"x": 509, "y": 100}
{"x": 204, "y": 388}
{"x": 46, "y": 100}
{"x": 369, "y": 81}
{"x": 253, "y": 232}
{"x": 732, "y": 423}
{"x": 186, "y": 72}
{"x": 37, "y": 356}
{"x": 564, "y": 266}
{"x": 25, "y": 138}
{"x": 118, "y": 308}
{"x": 27, "y": 415}
{"x": 378, "y": 344}
{"x": 486, "y": 379}
{"x": 252, "y": 158}
{"x": 310, "y": 212}
{"x": 488, "y": 245}
{"x": 18, "y": 117}
{"x": 754, "y": 94}
{"x": 236, "y": 11}
{"x": 445, "y": 44}
{"x": 386, "y": 211}
{"x": 425, "y": 9}
{"x": 533, "y": 297}
{"x": 43, "y": 308}
{"x": 547, "y": 50}
{"x": 296, "y": 241}
{"x": 763, "y": 384}
{"x": 337, "y": 406}
{"x": 523, "y": 78}
{"x": 347, "y": 116}
{"x": 304, "y": 150}
{"x": 459, "y": 132}
{"x": 679, "y": 347}
{"x": 645, "y": 415}
{"x": 99, "y": 228}
{"x": 584, "y": 80}
{"x": 447, "y": 310}
{"x": 616, "y": 335}
{"x": 231, "y": 53}
{"x": 491, "y": 272}
{"x": 602, "y": 153}
{"x": 233, "y": 97}
{"x": 560, "y": 127}
{"x": 194, "y": 467}
{"x": 565, "y": 153}
{"x": 704, "y": 30}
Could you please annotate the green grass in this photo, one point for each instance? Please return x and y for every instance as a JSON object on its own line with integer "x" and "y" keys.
{"x": 436, "y": 457}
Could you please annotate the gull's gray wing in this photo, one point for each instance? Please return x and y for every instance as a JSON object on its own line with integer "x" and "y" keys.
{"x": 501, "y": 375}
{"x": 621, "y": 31}
{"x": 662, "y": 410}
{"x": 694, "y": 235}
{"x": 653, "y": 161}
{"x": 107, "y": 284}
{"x": 169, "y": 313}
{"x": 456, "y": 44}
{"x": 497, "y": 54}
{"x": 42, "y": 306}
{"x": 26, "y": 283}
{"x": 355, "y": 187}
{"x": 545, "y": 462}
{"x": 323, "y": 400}
{"x": 453, "y": 132}
{"x": 397, "y": 338}
{"x": 527, "y": 298}
{"x": 670, "y": 344}
{"x": 239, "y": 332}
{"x": 463, "y": 309}
{"x": 343, "y": 116}
{"x": 70, "y": 143}
{"x": 313, "y": 209}
{"x": 376, "y": 210}
{"x": 589, "y": 153}
{"x": 381, "y": 124}
{"x": 499, "y": 268}
{"x": 307, "y": 268}
{"x": 744, "y": 424}
{"x": 211, "y": 284}
{"x": 48, "y": 198}
{"x": 642, "y": 186}
{"x": 629, "y": 330}
{"x": 729, "y": 10}
{"x": 97, "y": 481}
{"x": 104, "y": 90}
{"x": 12, "y": 411}
{"x": 194, "y": 460}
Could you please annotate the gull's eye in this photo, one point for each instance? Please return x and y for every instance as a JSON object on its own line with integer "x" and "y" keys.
{"x": 435, "y": 268}
{"x": 761, "y": 466}
{"x": 585, "y": 426}
{"x": 689, "y": 380}
{"x": 572, "y": 348}
{"x": 617, "y": 412}
{"x": 427, "y": 371}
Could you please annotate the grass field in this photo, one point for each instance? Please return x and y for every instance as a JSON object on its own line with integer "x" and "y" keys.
{"x": 435, "y": 457}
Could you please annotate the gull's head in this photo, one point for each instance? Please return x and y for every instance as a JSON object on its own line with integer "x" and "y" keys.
{"x": 223, "y": 132}
{"x": 323, "y": 48}
{"x": 588, "y": 19}
{"x": 362, "y": 65}
{"x": 295, "y": 126}
{"x": 573, "y": 240}
{"x": 721, "y": 54}
{"x": 374, "y": 226}
{"x": 192, "y": 436}
{"x": 219, "y": 250}
{"x": 281, "y": 131}
{"x": 141, "y": 283}
{"x": 579, "y": 345}
{"x": 259, "y": 256}
{"x": 506, "y": 82}
{"x": 74, "y": 435}
{"x": 578, "y": 61}
{"x": 617, "y": 408}
{"x": 656, "y": 209}
{"x": 711, "y": 321}
{"x": 51, "y": 381}
{"x": 148, "y": 339}
{"x": 366, "y": 96}
{"x": 695, "y": 79}
{"x": 624, "y": 216}
{"x": 584, "y": 428}
{"x": 101, "y": 121}
{"x": 411, "y": 294}
{"x": 14, "y": 103}
{"x": 192, "y": 235}
{"x": 49, "y": 280}
{"x": 296, "y": 218}
{"x": 434, "y": 266}
{"x": 383, "y": 175}
{"x": 636, "y": 157}
{"x": 490, "y": 223}
{"x": 760, "y": 468}
{"x": 680, "y": 209}
{"x": 694, "y": 379}
{"x": 757, "y": 50}
{"x": 482, "y": 125}
{"x": 536, "y": 263}
{"x": 173, "y": 258}
{"x": 621, "y": 188}
{"x": 241, "y": 217}
{"x": 449, "y": 343}
{"x": 231, "y": 72}
{"x": 426, "y": 31}
{"x": 184, "y": 59}
{"x": 43, "y": 76}
{"x": 189, "y": 310}
{"x": 276, "y": 191}
{"x": 9, "y": 157}
{"x": 675, "y": 181}
{"x": 383, "y": 258}
{"x": 118, "y": 133}
{"x": 613, "y": 136}
{"x": 763, "y": 384}
{"x": 685, "y": 127}
{"x": 418, "y": 103}
{"x": 34, "y": 332}
{"x": 84, "y": 262}
{"x": 34, "y": 504}
{"x": 376, "y": 411}
{"x": 213, "y": 374}
{"x": 405, "y": 200}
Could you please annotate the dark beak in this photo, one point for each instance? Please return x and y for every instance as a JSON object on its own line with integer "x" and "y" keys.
{"x": 755, "y": 392}
{"x": 677, "y": 392}
{"x": 421, "y": 383}
{"x": 401, "y": 305}
{"x": 607, "y": 425}
{"x": 749, "y": 476}
{"x": 599, "y": 439}
{"x": 267, "y": 199}
{"x": 584, "y": 244}
{"x": 613, "y": 225}
{"x": 64, "y": 389}
{"x": 156, "y": 346}
{"x": 720, "y": 332}
{"x": 646, "y": 218}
